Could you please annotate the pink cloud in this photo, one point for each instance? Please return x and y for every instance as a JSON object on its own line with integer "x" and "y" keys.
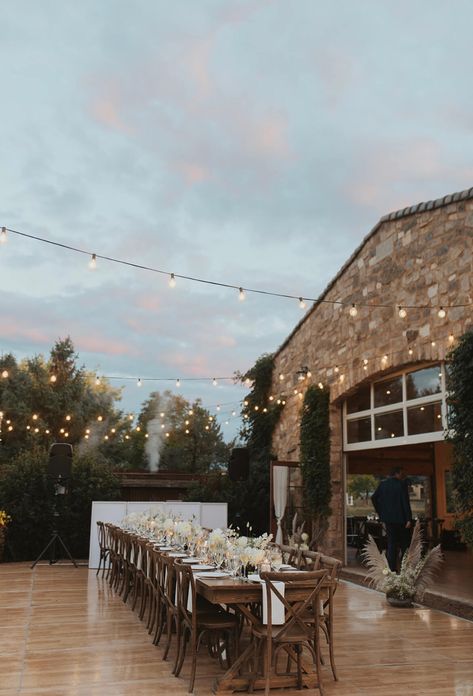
{"x": 12, "y": 329}
{"x": 194, "y": 173}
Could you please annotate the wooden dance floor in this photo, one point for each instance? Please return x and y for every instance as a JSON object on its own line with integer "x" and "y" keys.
{"x": 64, "y": 633}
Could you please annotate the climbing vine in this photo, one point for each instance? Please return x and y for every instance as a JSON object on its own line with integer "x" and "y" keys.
{"x": 460, "y": 383}
{"x": 315, "y": 458}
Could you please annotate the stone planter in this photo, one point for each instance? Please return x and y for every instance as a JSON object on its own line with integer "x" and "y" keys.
{"x": 398, "y": 602}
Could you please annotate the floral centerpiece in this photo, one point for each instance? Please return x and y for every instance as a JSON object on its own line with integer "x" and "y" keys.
{"x": 417, "y": 570}
{"x": 4, "y": 521}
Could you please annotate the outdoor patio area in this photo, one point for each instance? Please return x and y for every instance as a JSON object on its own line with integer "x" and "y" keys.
{"x": 65, "y": 633}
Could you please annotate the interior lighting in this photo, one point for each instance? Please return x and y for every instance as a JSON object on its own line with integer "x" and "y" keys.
{"x": 241, "y": 294}
{"x": 441, "y": 313}
{"x": 3, "y": 235}
{"x": 353, "y": 310}
{"x": 172, "y": 281}
{"x": 93, "y": 262}
{"x": 402, "y": 312}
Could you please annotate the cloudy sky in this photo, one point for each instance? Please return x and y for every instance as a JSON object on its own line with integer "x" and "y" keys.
{"x": 253, "y": 142}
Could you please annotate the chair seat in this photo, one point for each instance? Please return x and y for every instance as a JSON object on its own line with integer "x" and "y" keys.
{"x": 214, "y": 620}
{"x": 292, "y": 635}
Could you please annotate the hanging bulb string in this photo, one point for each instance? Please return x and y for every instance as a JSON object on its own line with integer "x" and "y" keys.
{"x": 242, "y": 290}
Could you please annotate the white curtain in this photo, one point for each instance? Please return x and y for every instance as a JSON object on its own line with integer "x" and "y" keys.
{"x": 280, "y": 478}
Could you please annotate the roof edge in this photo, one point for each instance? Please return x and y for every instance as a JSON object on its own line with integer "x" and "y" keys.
{"x": 395, "y": 215}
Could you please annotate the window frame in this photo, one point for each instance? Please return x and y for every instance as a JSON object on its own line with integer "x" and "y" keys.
{"x": 439, "y": 397}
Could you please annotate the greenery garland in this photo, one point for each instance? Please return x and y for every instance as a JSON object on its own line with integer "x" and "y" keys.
{"x": 460, "y": 382}
{"x": 315, "y": 458}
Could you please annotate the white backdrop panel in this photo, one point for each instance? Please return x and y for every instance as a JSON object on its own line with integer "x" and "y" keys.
{"x": 144, "y": 507}
{"x": 186, "y": 510}
{"x": 214, "y": 515}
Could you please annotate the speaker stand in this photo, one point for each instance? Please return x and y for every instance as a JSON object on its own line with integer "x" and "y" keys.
{"x": 52, "y": 545}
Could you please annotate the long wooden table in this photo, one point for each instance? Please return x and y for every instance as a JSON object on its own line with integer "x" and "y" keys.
{"x": 240, "y": 594}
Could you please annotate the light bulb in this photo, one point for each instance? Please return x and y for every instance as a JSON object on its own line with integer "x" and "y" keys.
{"x": 178, "y": 382}
{"x": 218, "y": 407}
{"x": 451, "y": 338}
{"x": 162, "y": 425}
{"x": 187, "y": 431}
{"x": 62, "y": 431}
{"x": 105, "y": 437}
{"x": 214, "y": 382}
{"x": 265, "y": 410}
{"x": 441, "y": 313}
{"x": 35, "y": 416}
{"x": 321, "y": 386}
{"x": 53, "y": 379}
{"x": 241, "y": 294}
{"x": 172, "y": 281}
{"x": 336, "y": 369}
{"x": 433, "y": 344}
{"x": 302, "y": 304}
{"x": 402, "y": 313}
{"x": 384, "y": 359}
{"x": 47, "y": 432}
{"x": 97, "y": 381}
{"x": 191, "y": 413}
{"x": 233, "y": 413}
{"x": 281, "y": 377}
{"x": 271, "y": 398}
{"x": 28, "y": 427}
{"x": 130, "y": 417}
{"x": 5, "y": 374}
{"x": 113, "y": 430}
{"x": 127, "y": 437}
{"x": 3, "y": 235}
{"x": 68, "y": 417}
{"x": 226, "y": 422}
{"x": 256, "y": 408}
{"x": 138, "y": 429}
{"x": 353, "y": 310}
{"x": 86, "y": 437}
{"x": 93, "y": 262}
{"x": 10, "y": 428}
{"x": 309, "y": 374}
{"x": 100, "y": 418}
{"x": 87, "y": 431}
{"x": 139, "y": 382}
{"x": 207, "y": 427}
{"x": 162, "y": 414}
{"x": 410, "y": 351}
{"x": 146, "y": 435}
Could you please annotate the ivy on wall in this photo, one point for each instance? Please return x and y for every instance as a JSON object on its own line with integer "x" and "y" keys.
{"x": 315, "y": 458}
{"x": 460, "y": 387}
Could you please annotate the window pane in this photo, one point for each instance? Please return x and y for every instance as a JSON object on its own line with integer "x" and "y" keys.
{"x": 424, "y": 419}
{"x": 360, "y": 401}
{"x": 388, "y": 425}
{"x": 388, "y": 392}
{"x": 359, "y": 430}
{"x": 423, "y": 382}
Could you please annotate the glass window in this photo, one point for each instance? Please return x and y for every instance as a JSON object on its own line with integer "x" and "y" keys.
{"x": 360, "y": 401}
{"x": 449, "y": 494}
{"x": 359, "y": 430}
{"x": 424, "y": 419}
{"x": 388, "y": 392}
{"x": 423, "y": 382}
{"x": 388, "y": 425}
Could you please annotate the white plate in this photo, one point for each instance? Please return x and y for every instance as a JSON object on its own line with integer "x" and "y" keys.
{"x": 177, "y": 555}
{"x": 215, "y": 574}
{"x": 202, "y": 567}
{"x": 190, "y": 560}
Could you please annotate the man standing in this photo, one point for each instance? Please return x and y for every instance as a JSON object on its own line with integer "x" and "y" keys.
{"x": 391, "y": 502}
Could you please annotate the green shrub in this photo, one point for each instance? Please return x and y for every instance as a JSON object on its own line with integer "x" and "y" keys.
{"x": 27, "y": 494}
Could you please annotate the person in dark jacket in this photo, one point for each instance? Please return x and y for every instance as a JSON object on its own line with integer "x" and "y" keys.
{"x": 391, "y": 502}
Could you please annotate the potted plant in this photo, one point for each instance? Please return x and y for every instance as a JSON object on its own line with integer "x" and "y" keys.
{"x": 416, "y": 572}
{"x": 4, "y": 520}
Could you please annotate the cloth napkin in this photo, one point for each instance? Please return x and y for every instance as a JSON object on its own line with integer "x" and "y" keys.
{"x": 277, "y": 607}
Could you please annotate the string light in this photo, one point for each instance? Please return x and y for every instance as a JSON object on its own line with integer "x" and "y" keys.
{"x": 241, "y": 294}
{"x": 410, "y": 351}
{"x": 402, "y": 312}
{"x": 451, "y": 338}
{"x": 5, "y": 374}
{"x": 321, "y": 386}
{"x": 53, "y": 379}
{"x": 302, "y": 304}
{"x": 97, "y": 381}
{"x": 218, "y": 407}
{"x": 68, "y": 417}
{"x": 139, "y": 382}
{"x": 3, "y": 235}
{"x": 433, "y": 344}
{"x": 353, "y": 310}
{"x": 35, "y": 416}
{"x": 178, "y": 382}
{"x": 214, "y": 382}
{"x": 336, "y": 369}
{"x": 100, "y": 418}
{"x": 191, "y": 412}
{"x": 206, "y": 281}
{"x": 441, "y": 313}
{"x": 93, "y": 262}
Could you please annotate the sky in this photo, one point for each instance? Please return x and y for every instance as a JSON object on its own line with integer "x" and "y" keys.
{"x": 250, "y": 142}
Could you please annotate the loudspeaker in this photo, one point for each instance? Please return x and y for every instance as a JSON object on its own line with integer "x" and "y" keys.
{"x": 239, "y": 464}
{"x": 60, "y": 460}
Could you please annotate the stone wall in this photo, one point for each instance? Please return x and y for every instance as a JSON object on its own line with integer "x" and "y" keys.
{"x": 410, "y": 258}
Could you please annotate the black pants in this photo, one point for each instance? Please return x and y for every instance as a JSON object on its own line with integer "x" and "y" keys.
{"x": 398, "y": 538}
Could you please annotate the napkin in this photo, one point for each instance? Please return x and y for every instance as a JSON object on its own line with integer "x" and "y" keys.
{"x": 277, "y": 607}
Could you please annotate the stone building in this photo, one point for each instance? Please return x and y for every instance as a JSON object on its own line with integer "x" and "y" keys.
{"x": 384, "y": 366}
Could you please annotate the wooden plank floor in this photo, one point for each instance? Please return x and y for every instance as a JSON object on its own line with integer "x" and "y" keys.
{"x": 64, "y": 634}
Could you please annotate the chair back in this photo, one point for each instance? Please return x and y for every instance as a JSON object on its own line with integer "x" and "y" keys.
{"x": 289, "y": 554}
{"x": 186, "y": 593}
{"x": 300, "y": 598}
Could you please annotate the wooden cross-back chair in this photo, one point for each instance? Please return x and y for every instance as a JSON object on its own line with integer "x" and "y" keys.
{"x": 296, "y": 632}
{"x": 198, "y": 619}
{"x": 104, "y": 546}
{"x": 314, "y": 560}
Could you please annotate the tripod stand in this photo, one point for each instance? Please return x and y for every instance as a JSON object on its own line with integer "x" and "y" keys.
{"x": 55, "y": 540}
